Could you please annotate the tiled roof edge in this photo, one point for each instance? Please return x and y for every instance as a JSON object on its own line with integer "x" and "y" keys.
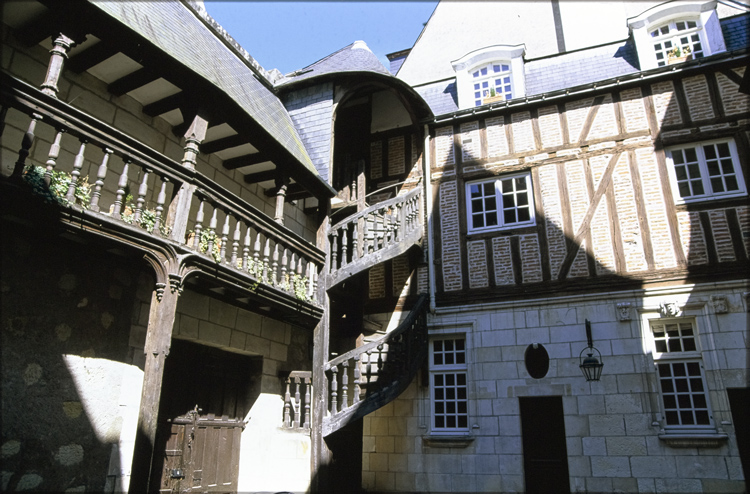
{"x": 201, "y": 13}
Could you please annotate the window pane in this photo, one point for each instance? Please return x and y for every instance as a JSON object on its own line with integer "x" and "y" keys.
{"x": 524, "y": 215}
{"x": 492, "y": 219}
{"x": 702, "y": 418}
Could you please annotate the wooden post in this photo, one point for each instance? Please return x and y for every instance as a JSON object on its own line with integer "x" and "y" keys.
{"x": 59, "y": 53}
{"x": 282, "y": 182}
{"x": 179, "y": 208}
{"x": 321, "y": 455}
{"x": 158, "y": 340}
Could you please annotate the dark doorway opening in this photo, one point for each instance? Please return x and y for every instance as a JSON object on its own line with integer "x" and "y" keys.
{"x": 206, "y": 394}
{"x": 545, "y": 454}
{"x": 345, "y": 469}
{"x": 739, "y": 403}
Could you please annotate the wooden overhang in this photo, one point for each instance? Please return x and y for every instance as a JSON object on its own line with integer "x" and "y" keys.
{"x": 265, "y": 147}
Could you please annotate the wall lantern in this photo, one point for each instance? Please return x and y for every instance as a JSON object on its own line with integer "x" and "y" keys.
{"x": 591, "y": 366}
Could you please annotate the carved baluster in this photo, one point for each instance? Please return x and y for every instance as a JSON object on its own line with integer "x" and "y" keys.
{"x": 224, "y": 237}
{"x": 101, "y": 174}
{"x": 296, "y": 401}
{"x": 212, "y": 231}
{"x": 160, "y": 199}
{"x": 142, "y": 191}
{"x": 365, "y": 236}
{"x": 266, "y": 254}
{"x": 357, "y": 374}
{"x": 368, "y": 369}
{"x": 284, "y": 280}
{"x": 334, "y": 390}
{"x": 313, "y": 281}
{"x": 308, "y": 385}
{"x": 77, "y": 165}
{"x": 26, "y": 143}
{"x": 345, "y": 385}
{"x": 256, "y": 255}
{"x": 380, "y": 360}
{"x": 275, "y": 266}
{"x": 287, "y": 404}
{"x": 235, "y": 243}
{"x": 121, "y": 184}
{"x": 401, "y": 221}
{"x": 54, "y": 152}
{"x": 355, "y": 247}
{"x": 246, "y": 249}
{"x": 198, "y": 226}
{"x": 334, "y": 250}
{"x": 344, "y": 245}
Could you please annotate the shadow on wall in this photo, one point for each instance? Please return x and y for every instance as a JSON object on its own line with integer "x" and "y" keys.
{"x": 66, "y": 378}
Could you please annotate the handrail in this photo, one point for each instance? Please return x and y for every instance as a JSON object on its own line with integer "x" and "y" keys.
{"x": 376, "y": 207}
{"x": 391, "y": 364}
{"x": 147, "y": 191}
{"x": 405, "y": 324}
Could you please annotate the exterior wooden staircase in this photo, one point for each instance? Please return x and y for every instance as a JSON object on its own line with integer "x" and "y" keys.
{"x": 379, "y": 371}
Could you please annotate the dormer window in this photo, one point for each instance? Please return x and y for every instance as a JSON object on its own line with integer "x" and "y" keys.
{"x": 490, "y": 75}
{"x": 680, "y": 39}
{"x": 677, "y": 31}
{"x": 492, "y": 82}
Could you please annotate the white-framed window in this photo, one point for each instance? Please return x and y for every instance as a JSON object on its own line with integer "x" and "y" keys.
{"x": 692, "y": 24}
{"x": 503, "y": 202}
{"x": 449, "y": 394}
{"x": 679, "y": 369}
{"x": 705, "y": 170}
{"x": 676, "y": 38}
{"x": 494, "y": 69}
{"x": 492, "y": 80}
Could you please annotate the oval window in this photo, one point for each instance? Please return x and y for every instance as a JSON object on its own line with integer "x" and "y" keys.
{"x": 537, "y": 361}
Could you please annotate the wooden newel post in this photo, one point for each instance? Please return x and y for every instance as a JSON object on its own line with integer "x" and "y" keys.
{"x": 59, "y": 53}
{"x": 179, "y": 207}
{"x": 158, "y": 341}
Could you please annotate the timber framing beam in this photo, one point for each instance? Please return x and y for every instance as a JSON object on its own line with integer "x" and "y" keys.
{"x": 223, "y": 143}
{"x": 133, "y": 81}
{"x": 247, "y": 160}
{"x": 165, "y": 105}
{"x": 264, "y": 176}
{"x": 91, "y": 57}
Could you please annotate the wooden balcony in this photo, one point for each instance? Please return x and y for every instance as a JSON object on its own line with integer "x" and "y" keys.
{"x": 176, "y": 216}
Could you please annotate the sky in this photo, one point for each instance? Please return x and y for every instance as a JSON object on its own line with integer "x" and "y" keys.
{"x": 292, "y": 35}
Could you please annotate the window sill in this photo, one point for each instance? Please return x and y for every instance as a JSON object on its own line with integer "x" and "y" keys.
{"x": 446, "y": 441}
{"x": 714, "y": 440}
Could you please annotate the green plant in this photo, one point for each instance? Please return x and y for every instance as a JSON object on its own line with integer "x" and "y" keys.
{"x": 58, "y": 186}
{"x": 206, "y": 237}
{"x": 678, "y": 52}
{"x": 299, "y": 284}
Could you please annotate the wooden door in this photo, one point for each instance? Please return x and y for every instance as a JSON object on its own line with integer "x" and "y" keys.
{"x": 545, "y": 455}
{"x": 739, "y": 403}
{"x": 205, "y": 396}
{"x": 201, "y": 454}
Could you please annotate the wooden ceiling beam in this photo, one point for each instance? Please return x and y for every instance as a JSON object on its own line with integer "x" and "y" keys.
{"x": 291, "y": 190}
{"x": 173, "y": 102}
{"x": 247, "y": 160}
{"x": 39, "y": 28}
{"x": 264, "y": 176}
{"x": 90, "y": 57}
{"x": 133, "y": 81}
{"x": 223, "y": 143}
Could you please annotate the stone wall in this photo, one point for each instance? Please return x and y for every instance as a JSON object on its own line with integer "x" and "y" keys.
{"x": 68, "y": 383}
{"x": 612, "y": 427}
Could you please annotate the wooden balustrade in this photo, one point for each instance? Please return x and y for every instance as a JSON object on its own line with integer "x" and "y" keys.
{"x": 379, "y": 371}
{"x": 135, "y": 185}
{"x": 373, "y": 235}
{"x": 297, "y": 408}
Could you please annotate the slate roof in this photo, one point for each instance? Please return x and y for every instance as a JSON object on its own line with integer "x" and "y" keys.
{"x": 578, "y": 68}
{"x": 736, "y": 31}
{"x": 178, "y": 32}
{"x": 355, "y": 57}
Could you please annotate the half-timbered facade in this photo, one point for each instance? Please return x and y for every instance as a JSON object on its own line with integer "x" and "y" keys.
{"x": 560, "y": 164}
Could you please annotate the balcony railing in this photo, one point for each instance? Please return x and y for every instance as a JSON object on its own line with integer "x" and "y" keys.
{"x": 378, "y": 371}
{"x": 119, "y": 181}
{"x": 374, "y": 235}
